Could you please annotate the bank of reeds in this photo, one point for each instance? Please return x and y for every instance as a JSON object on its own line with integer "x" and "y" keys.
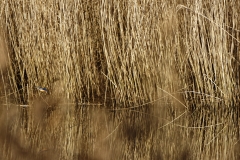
{"x": 184, "y": 55}
{"x": 87, "y": 50}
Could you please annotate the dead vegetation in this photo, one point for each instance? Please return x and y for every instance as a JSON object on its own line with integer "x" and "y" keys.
{"x": 127, "y": 79}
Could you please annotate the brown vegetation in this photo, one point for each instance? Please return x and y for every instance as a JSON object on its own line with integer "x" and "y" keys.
{"x": 126, "y": 79}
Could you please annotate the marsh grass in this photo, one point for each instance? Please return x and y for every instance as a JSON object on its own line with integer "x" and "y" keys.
{"x": 127, "y": 79}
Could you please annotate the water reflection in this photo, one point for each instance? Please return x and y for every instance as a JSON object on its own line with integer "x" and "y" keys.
{"x": 51, "y": 130}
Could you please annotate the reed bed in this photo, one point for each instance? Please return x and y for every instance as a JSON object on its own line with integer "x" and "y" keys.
{"x": 163, "y": 78}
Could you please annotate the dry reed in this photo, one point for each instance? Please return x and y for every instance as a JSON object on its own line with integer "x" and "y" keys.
{"x": 165, "y": 76}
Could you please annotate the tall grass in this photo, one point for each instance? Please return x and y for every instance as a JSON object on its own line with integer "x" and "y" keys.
{"x": 116, "y": 49}
{"x": 171, "y": 67}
